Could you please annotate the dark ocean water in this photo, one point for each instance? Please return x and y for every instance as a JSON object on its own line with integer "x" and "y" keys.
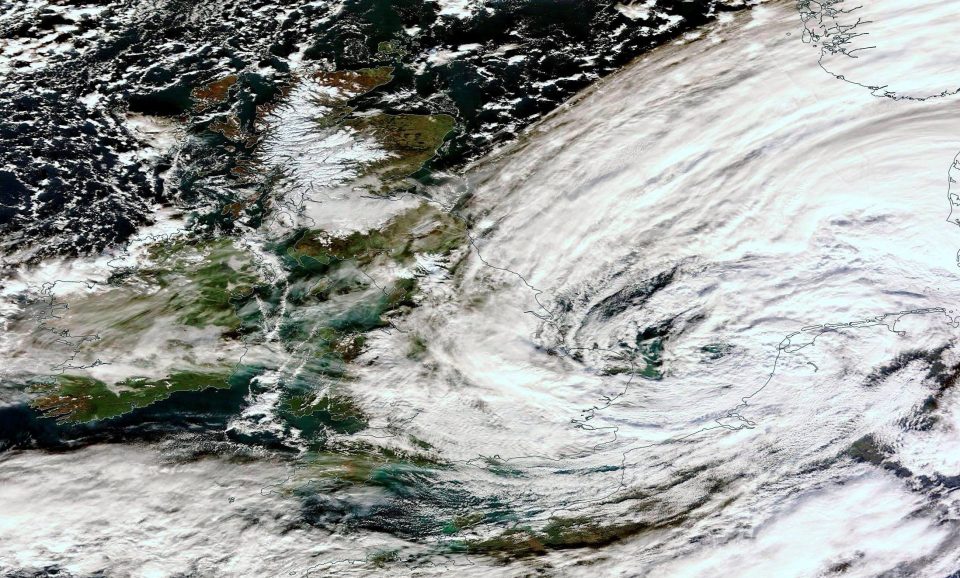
{"x": 71, "y": 181}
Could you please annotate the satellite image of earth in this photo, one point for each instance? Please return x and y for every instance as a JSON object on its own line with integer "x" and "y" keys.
{"x": 640, "y": 288}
